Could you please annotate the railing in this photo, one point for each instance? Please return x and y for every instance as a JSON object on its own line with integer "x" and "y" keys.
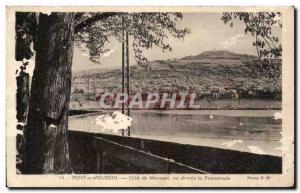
{"x": 101, "y": 153}
{"x": 138, "y": 158}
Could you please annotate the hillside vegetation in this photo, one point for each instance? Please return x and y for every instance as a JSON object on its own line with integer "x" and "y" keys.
{"x": 200, "y": 73}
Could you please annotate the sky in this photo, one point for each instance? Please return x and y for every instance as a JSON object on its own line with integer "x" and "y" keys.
{"x": 208, "y": 32}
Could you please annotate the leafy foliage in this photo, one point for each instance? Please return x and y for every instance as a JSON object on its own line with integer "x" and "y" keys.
{"x": 25, "y": 27}
{"x": 94, "y": 30}
{"x": 147, "y": 30}
{"x": 261, "y": 26}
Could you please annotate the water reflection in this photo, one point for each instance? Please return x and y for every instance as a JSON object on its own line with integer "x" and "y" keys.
{"x": 206, "y": 126}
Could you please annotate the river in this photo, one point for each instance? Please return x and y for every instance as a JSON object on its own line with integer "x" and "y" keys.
{"x": 253, "y": 131}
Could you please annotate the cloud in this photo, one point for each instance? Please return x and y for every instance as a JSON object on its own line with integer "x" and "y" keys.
{"x": 108, "y": 53}
{"x": 85, "y": 54}
{"x": 231, "y": 41}
{"x": 104, "y": 55}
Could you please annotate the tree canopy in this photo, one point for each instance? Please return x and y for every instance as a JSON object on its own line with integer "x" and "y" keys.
{"x": 147, "y": 29}
{"x": 261, "y": 25}
{"x": 93, "y": 30}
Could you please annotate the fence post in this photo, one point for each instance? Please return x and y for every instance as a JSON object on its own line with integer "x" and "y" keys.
{"x": 100, "y": 158}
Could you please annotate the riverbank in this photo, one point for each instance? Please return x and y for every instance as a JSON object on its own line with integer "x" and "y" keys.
{"x": 221, "y": 104}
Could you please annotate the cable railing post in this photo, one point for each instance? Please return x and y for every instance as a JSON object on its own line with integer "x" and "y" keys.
{"x": 123, "y": 66}
{"x": 128, "y": 78}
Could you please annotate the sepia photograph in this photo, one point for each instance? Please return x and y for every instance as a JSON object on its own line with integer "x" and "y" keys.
{"x": 150, "y": 97}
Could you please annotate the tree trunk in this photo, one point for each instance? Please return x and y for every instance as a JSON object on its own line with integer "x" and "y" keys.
{"x": 45, "y": 137}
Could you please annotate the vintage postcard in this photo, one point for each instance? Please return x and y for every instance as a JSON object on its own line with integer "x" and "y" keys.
{"x": 150, "y": 97}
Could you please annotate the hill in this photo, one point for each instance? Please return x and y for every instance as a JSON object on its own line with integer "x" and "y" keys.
{"x": 220, "y": 54}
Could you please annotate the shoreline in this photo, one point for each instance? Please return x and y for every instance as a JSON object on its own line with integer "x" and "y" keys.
{"x": 217, "y": 112}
